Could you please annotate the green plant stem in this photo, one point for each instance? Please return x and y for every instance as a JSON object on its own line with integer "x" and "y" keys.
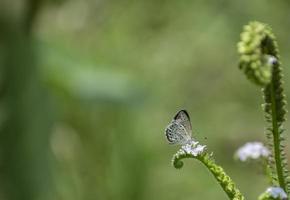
{"x": 257, "y": 49}
{"x": 276, "y": 140}
{"x": 217, "y": 171}
{"x": 223, "y": 179}
{"x": 25, "y": 149}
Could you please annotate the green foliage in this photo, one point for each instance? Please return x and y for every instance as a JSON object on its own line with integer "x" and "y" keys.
{"x": 115, "y": 70}
{"x": 258, "y": 45}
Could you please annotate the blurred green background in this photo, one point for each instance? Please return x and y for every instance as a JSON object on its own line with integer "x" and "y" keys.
{"x": 87, "y": 88}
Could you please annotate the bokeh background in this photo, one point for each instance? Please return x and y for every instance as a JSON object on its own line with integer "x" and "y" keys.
{"x": 88, "y": 86}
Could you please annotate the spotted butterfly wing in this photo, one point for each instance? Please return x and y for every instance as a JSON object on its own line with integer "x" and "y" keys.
{"x": 179, "y": 131}
{"x": 183, "y": 118}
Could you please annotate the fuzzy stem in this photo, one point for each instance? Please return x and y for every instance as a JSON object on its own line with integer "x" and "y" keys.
{"x": 217, "y": 171}
{"x": 223, "y": 179}
{"x": 260, "y": 61}
{"x": 276, "y": 141}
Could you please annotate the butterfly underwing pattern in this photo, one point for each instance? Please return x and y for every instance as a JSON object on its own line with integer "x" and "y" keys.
{"x": 179, "y": 131}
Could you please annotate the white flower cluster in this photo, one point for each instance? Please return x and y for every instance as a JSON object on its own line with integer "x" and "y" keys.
{"x": 252, "y": 150}
{"x": 277, "y": 192}
{"x": 193, "y": 148}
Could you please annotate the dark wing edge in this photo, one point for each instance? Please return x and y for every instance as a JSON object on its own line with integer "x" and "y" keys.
{"x": 181, "y": 111}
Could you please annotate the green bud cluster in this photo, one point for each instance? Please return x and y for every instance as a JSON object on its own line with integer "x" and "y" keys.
{"x": 253, "y": 56}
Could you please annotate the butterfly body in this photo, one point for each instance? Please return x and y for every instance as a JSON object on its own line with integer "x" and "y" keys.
{"x": 179, "y": 131}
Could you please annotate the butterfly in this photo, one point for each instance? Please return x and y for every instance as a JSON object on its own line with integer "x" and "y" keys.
{"x": 179, "y": 130}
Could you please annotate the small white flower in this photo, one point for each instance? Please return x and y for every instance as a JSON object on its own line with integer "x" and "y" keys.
{"x": 276, "y": 192}
{"x": 272, "y": 60}
{"x": 193, "y": 148}
{"x": 252, "y": 150}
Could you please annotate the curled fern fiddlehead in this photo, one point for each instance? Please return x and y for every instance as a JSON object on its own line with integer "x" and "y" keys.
{"x": 222, "y": 178}
{"x": 260, "y": 61}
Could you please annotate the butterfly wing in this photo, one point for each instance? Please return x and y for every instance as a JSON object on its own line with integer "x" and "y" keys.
{"x": 179, "y": 130}
{"x": 183, "y": 118}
